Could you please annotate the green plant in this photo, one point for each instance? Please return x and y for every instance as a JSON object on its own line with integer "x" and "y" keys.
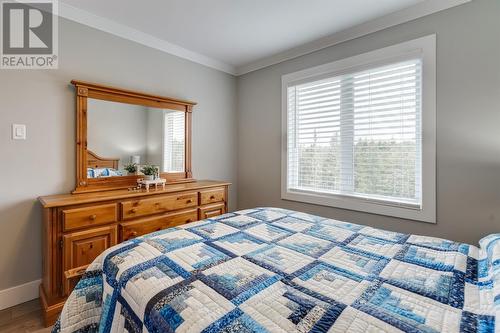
{"x": 149, "y": 170}
{"x": 131, "y": 168}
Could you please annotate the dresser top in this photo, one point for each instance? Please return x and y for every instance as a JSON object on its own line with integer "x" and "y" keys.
{"x": 60, "y": 200}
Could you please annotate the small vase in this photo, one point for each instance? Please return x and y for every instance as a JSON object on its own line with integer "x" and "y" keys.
{"x": 149, "y": 177}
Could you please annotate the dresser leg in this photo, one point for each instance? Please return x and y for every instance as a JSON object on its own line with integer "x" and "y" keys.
{"x": 50, "y": 311}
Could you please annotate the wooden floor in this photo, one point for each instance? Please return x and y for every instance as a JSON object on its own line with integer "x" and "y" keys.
{"x": 22, "y": 318}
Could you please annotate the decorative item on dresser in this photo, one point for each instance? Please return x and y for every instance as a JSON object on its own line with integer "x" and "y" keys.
{"x": 107, "y": 207}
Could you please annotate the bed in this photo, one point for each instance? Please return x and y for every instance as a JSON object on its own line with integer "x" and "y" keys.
{"x": 276, "y": 270}
{"x": 98, "y": 166}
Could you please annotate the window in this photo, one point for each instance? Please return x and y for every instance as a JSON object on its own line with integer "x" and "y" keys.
{"x": 355, "y": 132}
{"x": 173, "y": 141}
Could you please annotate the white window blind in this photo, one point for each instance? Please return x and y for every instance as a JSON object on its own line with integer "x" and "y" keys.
{"x": 173, "y": 143}
{"x": 358, "y": 134}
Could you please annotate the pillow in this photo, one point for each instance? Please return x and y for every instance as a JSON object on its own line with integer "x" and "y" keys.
{"x": 109, "y": 172}
{"x": 102, "y": 172}
{"x": 489, "y": 265}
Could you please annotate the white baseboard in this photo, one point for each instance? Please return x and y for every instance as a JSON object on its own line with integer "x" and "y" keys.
{"x": 19, "y": 294}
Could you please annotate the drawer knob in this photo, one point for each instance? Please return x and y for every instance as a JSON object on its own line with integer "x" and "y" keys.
{"x": 133, "y": 233}
{"x": 93, "y": 217}
{"x": 133, "y": 210}
{"x": 189, "y": 221}
{"x": 212, "y": 197}
{"x": 189, "y": 201}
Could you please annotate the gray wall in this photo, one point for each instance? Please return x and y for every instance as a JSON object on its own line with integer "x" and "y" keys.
{"x": 468, "y": 123}
{"x": 155, "y": 137}
{"x": 108, "y": 140}
{"x": 44, "y": 100}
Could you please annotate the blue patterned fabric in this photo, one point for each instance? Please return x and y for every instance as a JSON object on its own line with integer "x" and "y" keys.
{"x": 103, "y": 172}
{"x": 275, "y": 270}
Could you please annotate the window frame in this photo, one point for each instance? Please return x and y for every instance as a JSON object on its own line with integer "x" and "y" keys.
{"x": 423, "y": 48}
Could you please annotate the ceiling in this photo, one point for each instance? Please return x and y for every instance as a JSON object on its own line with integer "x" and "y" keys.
{"x": 234, "y": 34}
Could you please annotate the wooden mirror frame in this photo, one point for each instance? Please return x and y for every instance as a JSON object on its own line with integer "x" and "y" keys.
{"x": 85, "y": 90}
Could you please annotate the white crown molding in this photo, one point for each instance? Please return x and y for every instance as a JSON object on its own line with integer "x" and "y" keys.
{"x": 84, "y": 17}
{"x": 405, "y": 15}
{"x": 424, "y": 8}
{"x": 19, "y": 294}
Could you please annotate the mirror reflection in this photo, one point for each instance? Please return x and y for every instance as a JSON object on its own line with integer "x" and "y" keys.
{"x": 126, "y": 139}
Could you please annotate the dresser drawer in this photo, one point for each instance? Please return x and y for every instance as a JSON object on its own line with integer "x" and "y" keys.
{"x": 89, "y": 216}
{"x": 129, "y": 230}
{"x": 209, "y": 211}
{"x": 81, "y": 248}
{"x": 158, "y": 204}
{"x": 212, "y": 196}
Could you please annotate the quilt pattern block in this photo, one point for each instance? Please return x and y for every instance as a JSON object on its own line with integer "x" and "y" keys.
{"x": 276, "y": 270}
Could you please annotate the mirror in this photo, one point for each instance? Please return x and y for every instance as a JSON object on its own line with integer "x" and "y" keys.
{"x": 123, "y": 136}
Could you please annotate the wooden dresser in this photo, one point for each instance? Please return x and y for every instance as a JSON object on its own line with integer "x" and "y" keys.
{"x": 78, "y": 227}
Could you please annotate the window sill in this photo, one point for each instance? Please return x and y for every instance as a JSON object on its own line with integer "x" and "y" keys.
{"x": 404, "y": 211}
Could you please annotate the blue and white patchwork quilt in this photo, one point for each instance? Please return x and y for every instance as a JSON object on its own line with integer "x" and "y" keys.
{"x": 275, "y": 270}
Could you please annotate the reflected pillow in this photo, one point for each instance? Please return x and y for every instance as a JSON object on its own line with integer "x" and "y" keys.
{"x": 103, "y": 172}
